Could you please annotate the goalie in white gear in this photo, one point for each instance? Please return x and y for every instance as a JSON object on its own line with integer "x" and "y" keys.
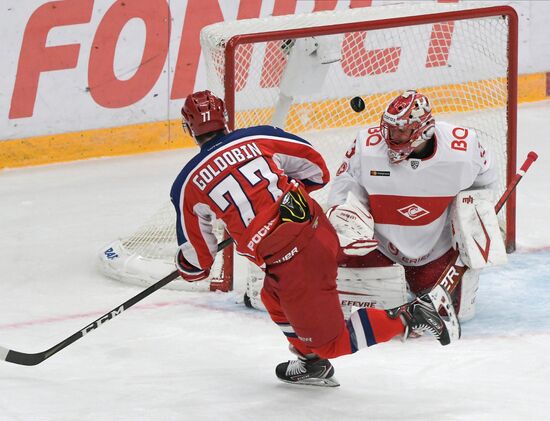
{"x": 406, "y": 172}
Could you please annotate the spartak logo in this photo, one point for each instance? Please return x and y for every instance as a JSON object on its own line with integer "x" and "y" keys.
{"x": 413, "y": 211}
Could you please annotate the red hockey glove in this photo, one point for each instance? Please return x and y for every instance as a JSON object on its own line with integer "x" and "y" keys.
{"x": 189, "y": 272}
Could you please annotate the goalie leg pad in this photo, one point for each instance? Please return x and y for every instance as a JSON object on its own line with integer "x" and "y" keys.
{"x": 467, "y": 295}
{"x": 377, "y": 287}
{"x": 254, "y": 284}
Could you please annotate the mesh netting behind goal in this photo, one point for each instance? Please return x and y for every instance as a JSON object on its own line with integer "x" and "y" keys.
{"x": 299, "y": 72}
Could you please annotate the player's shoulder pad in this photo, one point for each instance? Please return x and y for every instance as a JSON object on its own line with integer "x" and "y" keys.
{"x": 460, "y": 141}
{"x": 254, "y": 133}
{"x": 207, "y": 148}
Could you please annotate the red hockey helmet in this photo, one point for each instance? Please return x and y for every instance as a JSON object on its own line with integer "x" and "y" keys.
{"x": 203, "y": 112}
{"x": 406, "y": 124}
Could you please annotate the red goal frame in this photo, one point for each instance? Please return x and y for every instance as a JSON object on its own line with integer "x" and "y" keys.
{"x": 512, "y": 73}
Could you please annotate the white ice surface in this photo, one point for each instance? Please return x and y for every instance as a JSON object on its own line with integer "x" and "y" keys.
{"x": 198, "y": 356}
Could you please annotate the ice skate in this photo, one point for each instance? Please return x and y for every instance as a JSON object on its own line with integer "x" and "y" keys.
{"x": 430, "y": 312}
{"x": 307, "y": 371}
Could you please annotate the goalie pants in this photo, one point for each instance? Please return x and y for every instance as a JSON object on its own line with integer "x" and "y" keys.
{"x": 300, "y": 292}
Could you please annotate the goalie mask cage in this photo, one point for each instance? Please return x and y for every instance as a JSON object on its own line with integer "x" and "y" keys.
{"x": 300, "y": 72}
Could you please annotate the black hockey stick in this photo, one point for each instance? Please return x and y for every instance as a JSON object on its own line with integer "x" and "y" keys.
{"x": 23, "y": 358}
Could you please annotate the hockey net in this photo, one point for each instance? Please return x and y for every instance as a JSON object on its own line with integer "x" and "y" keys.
{"x": 299, "y": 72}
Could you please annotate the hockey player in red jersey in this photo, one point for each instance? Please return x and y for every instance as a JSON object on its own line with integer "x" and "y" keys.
{"x": 407, "y": 171}
{"x": 257, "y": 180}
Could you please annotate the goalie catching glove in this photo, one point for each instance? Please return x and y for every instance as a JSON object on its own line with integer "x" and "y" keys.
{"x": 189, "y": 272}
{"x": 354, "y": 225}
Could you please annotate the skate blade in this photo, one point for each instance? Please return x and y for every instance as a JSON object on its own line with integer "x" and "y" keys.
{"x": 330, "y": 382}
{"x": 443, "y": 305}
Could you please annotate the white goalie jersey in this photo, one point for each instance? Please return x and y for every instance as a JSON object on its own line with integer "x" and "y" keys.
{"x": 409, "y": 201}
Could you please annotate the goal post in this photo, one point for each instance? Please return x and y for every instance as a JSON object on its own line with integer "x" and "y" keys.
{"x": 300, "y": 72}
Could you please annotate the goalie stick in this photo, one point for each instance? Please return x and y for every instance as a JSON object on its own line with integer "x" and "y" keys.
{"x": 23, "y": 358}
{"x": 455, "y": 269}
{"x": 440, "y": 294}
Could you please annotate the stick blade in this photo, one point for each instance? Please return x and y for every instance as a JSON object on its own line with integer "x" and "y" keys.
{"x": 20, "y": 358}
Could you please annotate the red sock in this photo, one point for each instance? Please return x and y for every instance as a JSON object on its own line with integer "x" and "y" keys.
{"x": 384, "y": 328}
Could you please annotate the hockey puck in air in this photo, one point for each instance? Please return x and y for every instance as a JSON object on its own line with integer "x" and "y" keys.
{"x": 357, "y": 104}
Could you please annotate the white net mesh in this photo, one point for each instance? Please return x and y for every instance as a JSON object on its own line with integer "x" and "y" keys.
{"x": 304, "y": 81}
{"x": 147, "y": 255}
{"x": 460, "y": 65}
{"x": 156, "y": 237}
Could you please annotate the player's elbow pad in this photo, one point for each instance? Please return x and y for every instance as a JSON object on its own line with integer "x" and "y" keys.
{"x": 189, "y": 272}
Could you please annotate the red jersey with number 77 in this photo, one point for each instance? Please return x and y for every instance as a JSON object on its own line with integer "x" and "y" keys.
{"x": 239, "y": 178}
{"x": 409, "y": 200}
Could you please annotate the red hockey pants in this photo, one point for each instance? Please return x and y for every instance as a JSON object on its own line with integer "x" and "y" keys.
{"x": 420, "y": 278}
{"x": 301, "y": 298}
